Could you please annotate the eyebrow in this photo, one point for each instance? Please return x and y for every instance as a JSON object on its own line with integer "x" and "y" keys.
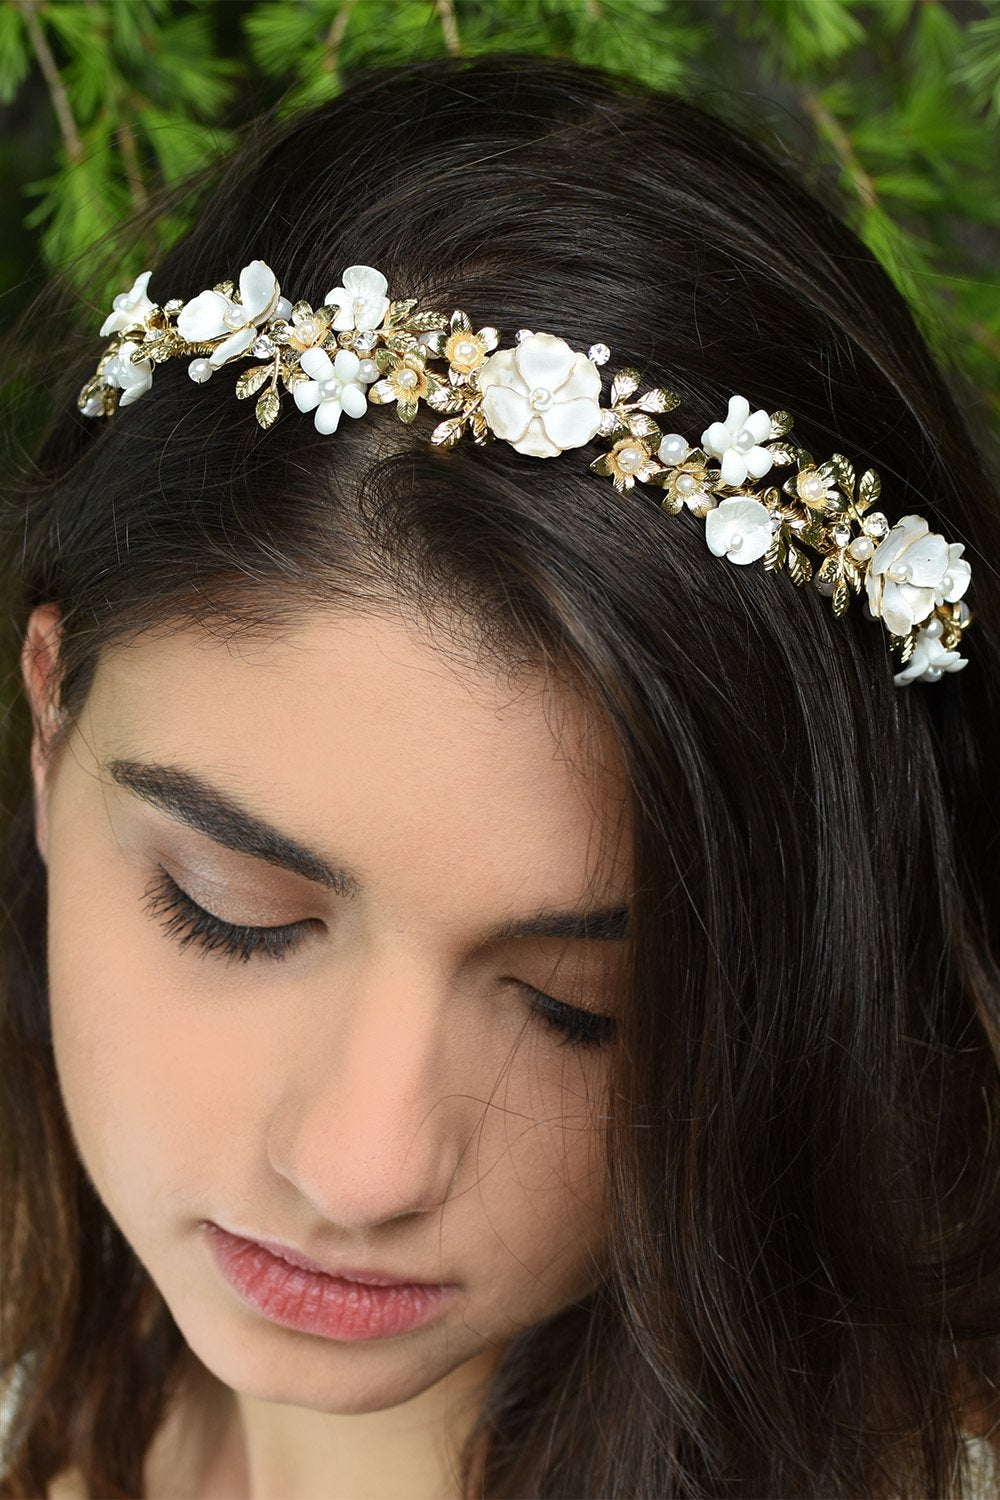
{"x": 189, "y": 797}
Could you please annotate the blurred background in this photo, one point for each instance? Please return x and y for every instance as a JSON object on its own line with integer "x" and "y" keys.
{"x": 891, "y": 108}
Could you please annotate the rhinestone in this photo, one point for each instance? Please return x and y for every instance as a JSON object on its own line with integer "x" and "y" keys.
{"x": 630, "y": 459}
{"x": 522, "y": 334}
{"x": 200, "y": 370}
{"x": 540, "y": 398}
{"x": 876, "y": 524}
{"x": 744, "y": 440}
{"x": 233, "y": 317}
{"x": 406, "y": 378}
{"x": 365, "y": 342}
{"x": 673, "y": 449}
{"x": 934, "y": 629}
{"x": 599, "y": 353}
{"x": 687, "y": 484}
{"x": 173, "y": 306}
{"x": 263, "y": 347}
{"x": 841, "y": 535}
{"x": 608, "y": 424}
{"x": 861, "y": 548}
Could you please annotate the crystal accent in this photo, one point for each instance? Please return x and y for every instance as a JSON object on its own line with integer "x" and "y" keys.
{"x": 609, "y": 423}
{"x": 174, "y": 305}
{"x": 599, "y": 353}
{"x": 875, "y": 524}
{"x": 264, "y": 347}
{"x": 366, "y": 341}
{"x": 841, "y": 535}
{"x": 522, "y": 334}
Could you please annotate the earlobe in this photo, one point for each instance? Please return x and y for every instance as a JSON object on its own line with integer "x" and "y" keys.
{"x": 39, "y": 668}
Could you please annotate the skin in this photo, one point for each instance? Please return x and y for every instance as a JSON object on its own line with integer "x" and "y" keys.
{"x": 384, "y": 1095}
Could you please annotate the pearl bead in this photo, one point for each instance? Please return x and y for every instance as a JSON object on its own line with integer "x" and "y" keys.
{"x": 735, "y": 542}
{"x": 465, "y": 350}
{"x": 811, "y": 487}
{"x": 200, "y": 370}
{"x": 673, "y": 448}
{"x": 307, "y": 330}
{"x": 744, "y": 440}
{"x": 283, "y": 309}
{"x": 934, "y": 629}
{"x": 933, "y": 673}
{"x": 368, "y": 370}
{"x": 629, "y": 459}
{"x": 947, "y": 582}
{"x": 540, "y": 398}
{"x": 900, "y": 571}
{"x": 234, "y": 317}
{"x": 407, "y": 378}
{"x": 861, "y": 548}
{"x": 686, "y": 483}
{"x": 329, "y": 390}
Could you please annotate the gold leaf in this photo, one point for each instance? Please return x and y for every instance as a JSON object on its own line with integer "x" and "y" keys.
{"x": 658, "y": 399}
{"x": 870, "y": 489}
{"x": 624, "y": 384}
{"x": 399, "y": 310}
{"x": 427, "y": 322}
{"x": 852, "y": 573}
{"x": 302, "y": 310}
{"x": 385, "y": 359}
{"x": 407, "y": 410}
{"x": 783, "y": 454}
{"x": 251, "y": 381}
{"x": 267, "y": 409}
{"x": 480, "y": 430}
{"x": 841, "y": 598}
{"x": 640, "y": 425}
{"x": 843, "y": 469}
{"x": 829, "y": 570}
{"x": 602, "y": 465}
{"x": 403, "y": 342}
{"x": 774, "y": 557}
{"x": 671, "y": 506}
{"x": 799, "y": 566}
{"x": 446, "y": 434}
{"x": 781, "y": 422}
{"x": 445, "y": 399}
{"x": 812, "y": 536}
{"x": 906, "y": 647}
{"x": 381, "y": 393}
{"x": 490, "y": 337}
{"x": 460, "y": 321}
{"x": 435, "y": 344}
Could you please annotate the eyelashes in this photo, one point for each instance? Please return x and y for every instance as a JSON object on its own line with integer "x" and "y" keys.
{"x": 187, "y": 922}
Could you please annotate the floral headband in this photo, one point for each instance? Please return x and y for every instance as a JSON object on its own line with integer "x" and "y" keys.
{"x": 544, "y": 397}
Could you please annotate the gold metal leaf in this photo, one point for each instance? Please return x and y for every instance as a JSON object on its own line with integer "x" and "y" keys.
{"x": 602, "y": 465}
{"x": 841, "y": 598}
{"x": 843, "y": 469}
{"x": 781, "y": 422}
{"x": 460, "y": 321}
{"x": 639, "y": 425}
{"x": 251, "y": 381}
{"x": 403, "y": 342}
{"x": 399, "y": 310}
{"x": 624, "y": 384}
{"x": 427, "y": 322}
{"x": 381, "y": 393}
{"x": 267, "y": 408}
{"x": 799, "y": 566}
{"x": 446, "y": 399}
{"x": 658, "y": 399}
{"x": 774, "y": 557}
{"x": 407, "y": 410}
{"x": 829, "y": 571}
{"x": 672, "y": 507}
{"x": 869, "y": 489}
{"x": 446, "y": 434}
{"x": 480, "y": 429}
{"x": 490, "y": 337}
{"x": 906, "y": 644}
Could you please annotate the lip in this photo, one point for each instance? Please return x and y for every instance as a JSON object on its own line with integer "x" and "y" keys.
{"x": 305, "y": 1263}
{"x": 338, "y": 1306}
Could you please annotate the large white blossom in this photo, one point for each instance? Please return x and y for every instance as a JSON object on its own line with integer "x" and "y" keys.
{"x": 210, "y": 315}
{"x": 736, "y": 441}
{"x": 542, "y": 397}
{"x": 740, "y": 529}
{"x": 912, "y": 570}
{"x": 361, "y": 300}
{"x": 335, "y": 387}
{"x": 929, "y": 658}
{"x": 129, "y": 308}
{"x": 132, "y": 380}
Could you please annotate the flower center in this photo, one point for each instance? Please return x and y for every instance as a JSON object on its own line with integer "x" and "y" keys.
{"x": 329, "y": 390}
{"x": 630, "y": 459}
{"x": 811, "y": 487}
{"x": 307, "y": 330}
{"x": 234, "y": 317}
{"x": 465, "y": 349}
{"x": 735, "y": 542}
{"x": 407, "y": 379}
{"x": 900, "y": 571}
{"x": 540, "y": 398}
{"x": 686, "y": 483}
{"x": 744, "y": 440}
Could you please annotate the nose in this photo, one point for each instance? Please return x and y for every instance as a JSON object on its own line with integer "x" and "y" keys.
{"x": 371, "y": 1123}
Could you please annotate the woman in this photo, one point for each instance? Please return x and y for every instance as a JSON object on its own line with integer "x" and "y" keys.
{"x": 436, "y": 865}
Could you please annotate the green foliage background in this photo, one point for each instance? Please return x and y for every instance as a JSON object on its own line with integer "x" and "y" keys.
{"x": 896, "y": 103}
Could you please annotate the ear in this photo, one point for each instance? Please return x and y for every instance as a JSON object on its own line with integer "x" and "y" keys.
{"x": 39, "y": 664}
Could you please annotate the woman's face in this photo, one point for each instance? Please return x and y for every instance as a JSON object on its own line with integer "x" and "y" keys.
{"x": 383, "y": 1095}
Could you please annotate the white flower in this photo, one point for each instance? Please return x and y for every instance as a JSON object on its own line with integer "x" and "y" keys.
{"x": 361, "y": 301}
{"x": 912, "y": 570}
{"x": 334, "y": 387}
{"x": 542, "y": 397}
{"x": 929, "y": 659}
{"x": 736, "y": 442}
{"x": 739, "y": 528}
{"x": 129, "y": 308}
{"x": 132, "y": 380}
{"x": 210, "y": 315}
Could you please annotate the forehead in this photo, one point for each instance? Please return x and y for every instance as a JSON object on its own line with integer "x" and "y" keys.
{"x": 362, "y": 729}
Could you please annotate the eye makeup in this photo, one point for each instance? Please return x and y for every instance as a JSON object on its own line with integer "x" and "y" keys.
{"x": 185, "y": 921}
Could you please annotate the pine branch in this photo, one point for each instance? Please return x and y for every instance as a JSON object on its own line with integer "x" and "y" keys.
{"x": 50, "y": 72}
{"x": 829, "y": 126}
{"x": 449, "y": 25}
{"x": 334, "y": 37}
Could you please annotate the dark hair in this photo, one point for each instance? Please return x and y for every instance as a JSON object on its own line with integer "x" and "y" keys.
{"x": 802, "y": 1286}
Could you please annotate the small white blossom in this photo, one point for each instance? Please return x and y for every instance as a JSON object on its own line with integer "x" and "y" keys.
{"x": 929, "y": 659}
{"x": 132, "y": 380}
{"x": 736, "y": 441}
{"x": 739, "y": 528}
{"x": 210, "y": 315}
{"x": 912, "y": 570}
{"x": 129, "y": 308}
{"x": 361, "y": 301}
{"x": 335, "y": 387}
{"x": 542, "y": 397}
